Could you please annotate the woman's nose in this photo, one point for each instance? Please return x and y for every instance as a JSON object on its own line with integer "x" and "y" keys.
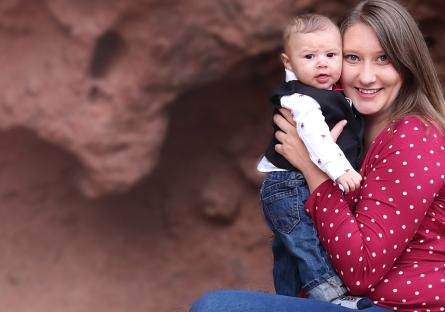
{"x": 367, "y": 74}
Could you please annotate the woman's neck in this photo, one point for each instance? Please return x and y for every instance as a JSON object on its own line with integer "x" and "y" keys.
{"x": 373, "y": 126}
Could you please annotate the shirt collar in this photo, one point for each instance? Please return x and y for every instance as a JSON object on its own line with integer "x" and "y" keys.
{"x": 290, "y": 75}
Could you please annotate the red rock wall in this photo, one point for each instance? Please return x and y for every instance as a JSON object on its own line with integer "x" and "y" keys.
{"x": 130, "y": 133}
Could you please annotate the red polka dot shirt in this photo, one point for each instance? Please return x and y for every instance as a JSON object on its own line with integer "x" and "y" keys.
{"x": 387, "y": 239}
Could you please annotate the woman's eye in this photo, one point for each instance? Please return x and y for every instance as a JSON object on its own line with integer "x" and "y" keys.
{"x": 383, "y": 59}
{"x": 309, "y": 56}
{"x": 351, "y": 58}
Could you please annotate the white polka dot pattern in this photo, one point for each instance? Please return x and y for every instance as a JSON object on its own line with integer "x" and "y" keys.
{"x": 392, "y": 247}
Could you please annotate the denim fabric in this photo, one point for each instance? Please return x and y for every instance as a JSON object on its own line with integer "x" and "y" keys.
{"x": 249, "y": 301}
{"x": 300, "y": 262}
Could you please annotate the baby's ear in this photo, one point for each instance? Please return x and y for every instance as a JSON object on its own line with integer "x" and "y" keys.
{"x": 286, "y": 61}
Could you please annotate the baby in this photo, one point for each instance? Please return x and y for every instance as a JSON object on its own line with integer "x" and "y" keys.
{"x": 313, "y": 61}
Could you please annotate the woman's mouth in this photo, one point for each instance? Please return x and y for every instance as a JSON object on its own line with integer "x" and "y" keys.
{"x": 367, "y": 92}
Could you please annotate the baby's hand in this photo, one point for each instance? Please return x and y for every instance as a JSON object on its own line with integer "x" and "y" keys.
{"x": 349, "y": 181}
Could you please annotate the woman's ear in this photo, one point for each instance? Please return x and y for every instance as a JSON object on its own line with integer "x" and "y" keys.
{"x": 286, "y": 61}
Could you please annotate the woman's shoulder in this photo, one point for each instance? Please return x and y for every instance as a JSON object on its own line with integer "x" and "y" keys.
{"x": 409, "y": 130}
{"x": 415, "y": 126}
{"x": 410, "y": 122}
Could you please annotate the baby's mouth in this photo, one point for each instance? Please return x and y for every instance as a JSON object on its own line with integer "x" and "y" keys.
{"x": 322, "y": 78}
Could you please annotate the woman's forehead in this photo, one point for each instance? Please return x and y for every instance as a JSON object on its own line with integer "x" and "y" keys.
{"x": 361, "y": 37}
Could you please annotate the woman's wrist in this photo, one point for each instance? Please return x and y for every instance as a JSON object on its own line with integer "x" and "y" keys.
{"x": 313, "y": 175}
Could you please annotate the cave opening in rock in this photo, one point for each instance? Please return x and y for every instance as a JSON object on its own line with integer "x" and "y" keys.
{"x": 109, "y": 47}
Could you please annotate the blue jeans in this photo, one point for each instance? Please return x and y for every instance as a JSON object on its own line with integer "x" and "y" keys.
{"x": 249, "y": 301}
{"x": 300, "y": 262}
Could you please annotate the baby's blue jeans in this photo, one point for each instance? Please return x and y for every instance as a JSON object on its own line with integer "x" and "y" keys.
{"x": 300, "y": 262}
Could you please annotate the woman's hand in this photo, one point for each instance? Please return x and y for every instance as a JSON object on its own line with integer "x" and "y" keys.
{"x": 292, "y": 148}
{"x": 338, "y": 128}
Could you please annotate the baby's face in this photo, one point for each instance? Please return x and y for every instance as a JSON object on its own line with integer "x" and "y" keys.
{"x": 315, "y": 58}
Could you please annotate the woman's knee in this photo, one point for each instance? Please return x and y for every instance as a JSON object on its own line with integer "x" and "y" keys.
{"x": 211, "y": 301}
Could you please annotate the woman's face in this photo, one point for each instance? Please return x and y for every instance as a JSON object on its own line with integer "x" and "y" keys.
{"x": 368, "y": 77}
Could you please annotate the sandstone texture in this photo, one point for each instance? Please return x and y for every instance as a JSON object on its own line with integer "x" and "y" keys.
{"x": 129, "y": 134}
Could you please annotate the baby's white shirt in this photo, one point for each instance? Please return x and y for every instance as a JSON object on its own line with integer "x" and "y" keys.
{"x": 315, "y": 134}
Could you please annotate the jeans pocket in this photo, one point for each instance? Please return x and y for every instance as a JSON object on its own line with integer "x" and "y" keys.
{"x": 281, "y": 203}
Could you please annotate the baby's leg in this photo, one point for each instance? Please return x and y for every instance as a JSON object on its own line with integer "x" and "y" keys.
{"x": 278, "y": 196}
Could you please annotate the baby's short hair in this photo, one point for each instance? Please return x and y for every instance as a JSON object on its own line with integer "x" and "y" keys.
{"x": 307, "y": 23}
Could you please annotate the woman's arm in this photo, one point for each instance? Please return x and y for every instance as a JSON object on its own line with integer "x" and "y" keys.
{"x": 401, "y": 180}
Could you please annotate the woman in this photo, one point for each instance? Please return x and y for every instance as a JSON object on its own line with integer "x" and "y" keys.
{"x": 386, "y": 239}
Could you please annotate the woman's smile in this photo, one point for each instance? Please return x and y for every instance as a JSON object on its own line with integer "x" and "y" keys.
{"x": 368, "y": 91}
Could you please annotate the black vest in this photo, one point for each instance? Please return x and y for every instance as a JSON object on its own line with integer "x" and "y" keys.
{"x": 334, "y": 107}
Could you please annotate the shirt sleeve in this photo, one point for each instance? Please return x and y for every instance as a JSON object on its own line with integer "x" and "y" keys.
{"x": 400, "y": 181}
{"x": 315, "y": 134}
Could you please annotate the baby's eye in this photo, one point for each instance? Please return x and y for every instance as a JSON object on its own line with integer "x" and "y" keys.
{"x": 309, "y": 56}
{"x": 351, "y": 58}
{"x": 331, "y": 54}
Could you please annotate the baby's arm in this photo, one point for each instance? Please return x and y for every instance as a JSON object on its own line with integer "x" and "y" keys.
{"x": 315, "y": 134}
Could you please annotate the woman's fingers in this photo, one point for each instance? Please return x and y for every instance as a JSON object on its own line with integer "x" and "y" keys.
{"x": 287, "y": 115}
{"x": 279, "y": 148}
{"x": 283, "y": 123}
{"x": 291, "y": 147}
{"x": 338, "y": 128}
{"x": 286, "y": 141}
{"x": 280, "y": 136}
